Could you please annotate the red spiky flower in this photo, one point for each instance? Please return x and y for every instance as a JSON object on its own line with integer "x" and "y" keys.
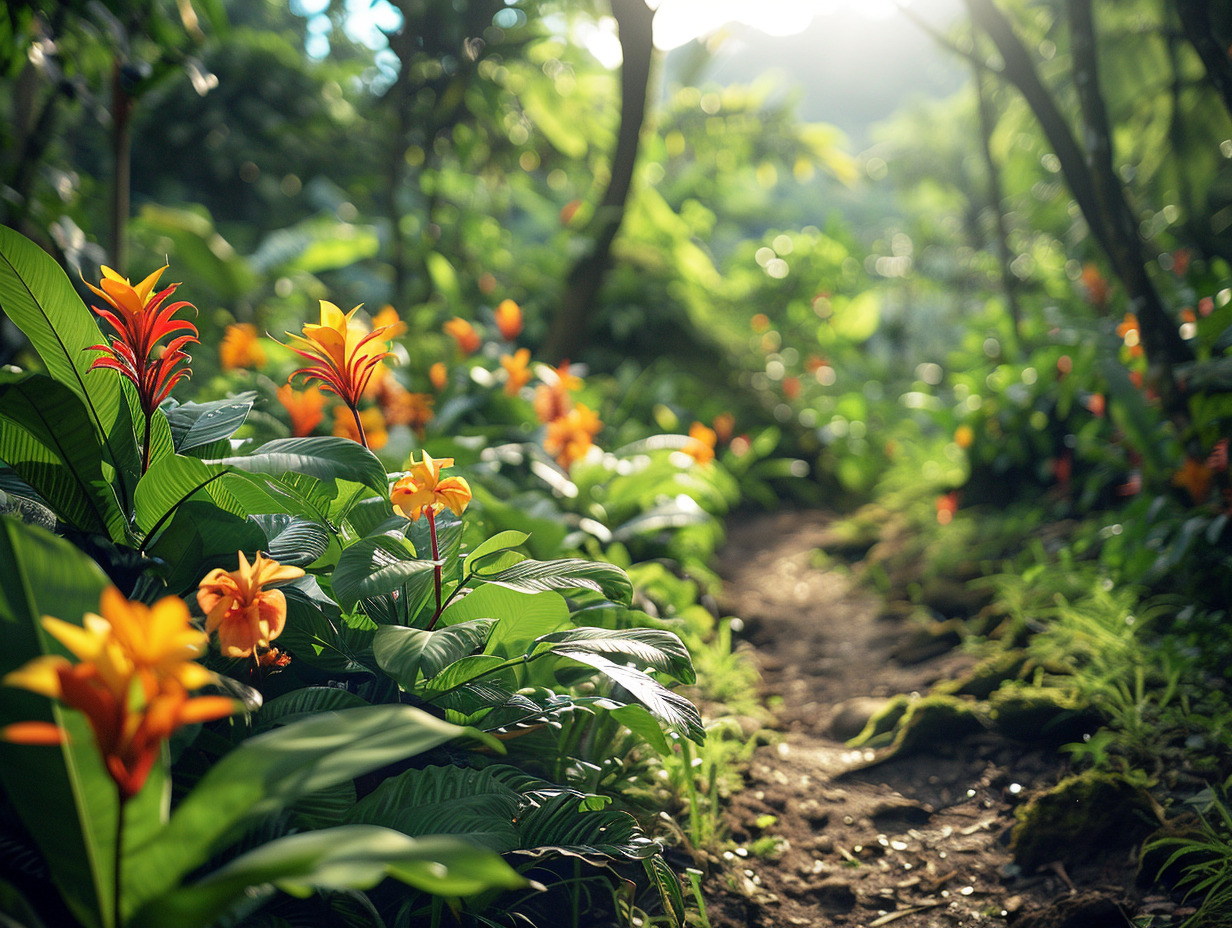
{"x": 141, "y": 323}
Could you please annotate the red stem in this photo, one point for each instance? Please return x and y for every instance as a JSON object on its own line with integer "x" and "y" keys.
{"x": 436, "y": 571}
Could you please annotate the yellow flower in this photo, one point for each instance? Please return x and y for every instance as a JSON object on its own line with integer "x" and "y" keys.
{"x": 570, "y": 437}
{"x": 700, "y": 445}
{"x": 964, "y": 436}
{"x": 237, "y": 605}
{"x": 509, "y": 319}
{"x": 374, "y": 435}
{"x": 516, "y": 370}
{"x": 240, "y": 347}
{"x": 464, "y": 334}
{"x": 305, "y": 407}
{"x": 343, "y": 353}
{"x": 135, "y": 667}
{"x": 423, "y": 489}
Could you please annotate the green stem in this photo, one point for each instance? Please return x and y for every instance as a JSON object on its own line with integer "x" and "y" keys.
{"x": 118, "y": 882}
{"x": 145, "y": 444}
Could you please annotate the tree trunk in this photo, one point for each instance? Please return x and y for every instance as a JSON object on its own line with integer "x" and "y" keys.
{"x": 1200, "y": 31}
{"x": 570, "y": 327}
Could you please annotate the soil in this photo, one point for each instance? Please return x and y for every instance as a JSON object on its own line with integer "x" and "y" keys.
{"x": 824, "y": 834}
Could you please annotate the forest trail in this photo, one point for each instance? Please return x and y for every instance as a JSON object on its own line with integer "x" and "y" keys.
{"x": 915, "y": 841}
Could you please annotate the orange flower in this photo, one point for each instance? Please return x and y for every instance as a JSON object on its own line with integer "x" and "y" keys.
{"x": 724, "y": 426}
{"x": 509, "y": 320}
{"x": 947, "y": 505}
{"x": 570, "y": 436}
{"x": 700, "y": 445}
{"x": 1095, "y": 285}
{"x": 464, "y": 334}
{"x": 964, "y": 436}
{"x": 343, "y": 354}
{"x": 237, "y": 606}
{"x": 423, "y": 489}
{"x": 438, "y": 374}
{"x": 1195, "y": 478}
{"x": 1097, "y": 405}
{"x": 552, "y": 396}
{"x": 791, "y": 387}
{"x": 516, "y": 370}
{"x": 135, "y": 667}
{"x": 386, "y": 318}
{"x": 240, "y": 347}
{"x": 1128, "y": 330}
{"x": 760, "y": 322}
{"x": 140, "y": 322}
{"x": 374, "y": 435}
{"x": 305, "y": 407}
{"x": 402, "y": 407}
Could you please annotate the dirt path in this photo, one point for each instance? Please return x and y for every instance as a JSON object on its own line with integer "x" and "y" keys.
{"x": 918, "y": 840}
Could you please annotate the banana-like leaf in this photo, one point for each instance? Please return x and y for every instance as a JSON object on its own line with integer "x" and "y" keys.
{"x": 501, "y": 541}
{"x": 382, "y": 563}
{"x": 323, "y": 457}
{"x": 199, "y": 537}
{"x": 667, "y": 515}
{"x": 406, "y": 653}
{"x": 670, "y": 708}
{"x": 562, "y": 824}
{"x": 469, "y": 803}
{"x": 316, "y": 634}
{"x": 64, "y": 796}
{"x": 521, "y": 617}
{"x": 47, "y": 438}
{"x": 38, "y": 297}
{"x": 652, "y": 647}
{"x": 303, "y": 702}
{"x": 293, "y": 540}
{"x": 173, "y": 480}
{"x": 564, "y": 574}
{"x": 348, "y": 857}
{"x": 269, "y": 771}
{"x": 196, "y": 424}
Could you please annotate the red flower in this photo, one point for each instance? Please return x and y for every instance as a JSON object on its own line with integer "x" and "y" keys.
{"x": 141, "y": 322}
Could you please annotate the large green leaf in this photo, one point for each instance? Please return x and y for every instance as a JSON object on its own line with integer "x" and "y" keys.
{"x": 304, "y": 702}
{"x": 347, "y": 857}
{"x": 670, "y": 708}
{"x": 196, "y": 424}
{"x": 562, "y": 823}
{"x": 292, "y": 540}
{"x": 173, "y": 480}
{"x": 652, "y": 647}
{"x": 268, "y": 771}
{"x": 406, "y": 653}
{"x": 199, "y": 537}
{"x": 63, "y": 795}
{"x": 564, "y": 574}
{"x": 470, "y": 803}
{"x": 38, "y": 297}
{"x": 316, "y": 634}
{"x": 324, "y": 457}
{"x": 521, "y": 617}
{"x": 47, "y": 438}
{"x": 382, "y": 563}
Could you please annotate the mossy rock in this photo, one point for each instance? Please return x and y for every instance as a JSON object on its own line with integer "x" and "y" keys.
{"x": 929, "y": 641}
{"x": 915, "y": 722}
{"x": 1153, "y": 866}
{"x": 986, "y": 676}
{"x": 1045, "y": 714}
{"x": 1083, "y": 817}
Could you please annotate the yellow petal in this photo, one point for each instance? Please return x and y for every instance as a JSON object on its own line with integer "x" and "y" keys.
{"x": 146, "y": 287}
{"x": 40, "y": 675}
{"x": 85, "y": 643}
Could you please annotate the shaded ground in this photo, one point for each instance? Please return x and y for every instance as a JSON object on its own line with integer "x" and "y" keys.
{"x": 921, "y": 839}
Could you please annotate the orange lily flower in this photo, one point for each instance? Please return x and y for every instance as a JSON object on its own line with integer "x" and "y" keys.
{"x": 438, "y": 374}
{"x": 964, "y": 436}
{"x": 141, "y": 322}
{"x": 237, "y": 606}
{"x": 570, "y": 437}
{"x": 509, "y": 319}
{"x": 1128, "y": 330}
{"x": 1095, "y": 285}
{"x": 1195, "y": 478}
{"x": 947, "y": 505}
{"x": 342, "y": 353}
{"x": 700, "y": 445}
{"x": 305, "y": 407}
{"x": 423, "y": 489}
{"x": 369, "y": 430}
{"x": 552, "y": 396}
{"x": 132, "y": 680}
{"x": 724, "y": 426}
{"x": 402, "y": 407}
{"x": 240, "y": 347}
{"x": 517, "y": 369}
{"x": 464, "y": 334}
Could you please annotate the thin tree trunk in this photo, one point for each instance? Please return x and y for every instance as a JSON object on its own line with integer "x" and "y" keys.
{"x": 1200, "y": 31}
{"x": 570, "y": 328}
{"x": 1093, "y": 180}
{"x": 121, "y": 145}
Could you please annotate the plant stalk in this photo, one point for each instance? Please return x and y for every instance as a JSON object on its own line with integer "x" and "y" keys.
{"x": 363, "y": 438}
{"x": 436, "y": 570}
